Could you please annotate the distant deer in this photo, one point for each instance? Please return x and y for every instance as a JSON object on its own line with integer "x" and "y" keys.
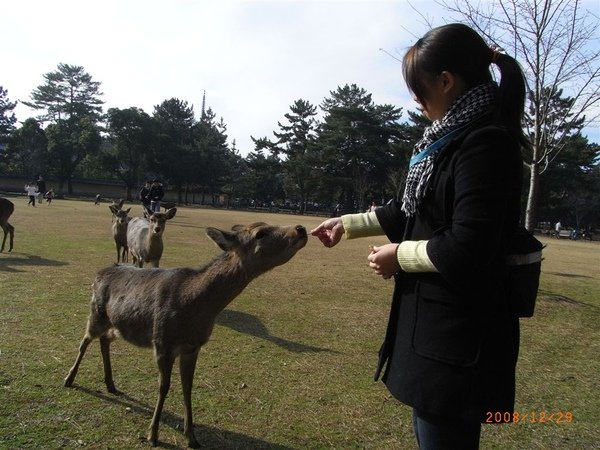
{"x": 116, "y": 205}
{"x": 144, "y": 237}
{"x": 6, "y": 209}
{"x": 119, "y": 230}
{"x": 174, "y": 310}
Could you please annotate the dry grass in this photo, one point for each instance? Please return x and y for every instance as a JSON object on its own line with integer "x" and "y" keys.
{"x": 290, "y": 363}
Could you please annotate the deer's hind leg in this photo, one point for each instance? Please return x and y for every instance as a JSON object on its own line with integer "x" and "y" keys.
{"x": 105, "y": 341}
{"x": 95, "y": 328}
{"x": 10, "y": 230}
{"x": 73, "y": 372}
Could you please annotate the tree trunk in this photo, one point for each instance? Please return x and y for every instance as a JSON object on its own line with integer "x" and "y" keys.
{"x": 304, "y": 199}
{"x": 532, "y": 198}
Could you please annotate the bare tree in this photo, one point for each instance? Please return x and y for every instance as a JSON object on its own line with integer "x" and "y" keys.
{"x": 556, "y": 42}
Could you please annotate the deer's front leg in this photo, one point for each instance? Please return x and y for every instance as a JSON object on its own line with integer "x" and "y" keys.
{"x": 187, "y": 366}
{"x": 164, "y": 360}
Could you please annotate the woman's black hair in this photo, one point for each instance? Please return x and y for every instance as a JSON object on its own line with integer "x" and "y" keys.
{"x": 459, "y": 49}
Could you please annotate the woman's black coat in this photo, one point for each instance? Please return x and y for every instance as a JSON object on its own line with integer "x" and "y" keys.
{"x": 452, "y": 343}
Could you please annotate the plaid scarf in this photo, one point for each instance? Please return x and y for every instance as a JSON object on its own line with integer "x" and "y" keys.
{"x": 469, "y": 106}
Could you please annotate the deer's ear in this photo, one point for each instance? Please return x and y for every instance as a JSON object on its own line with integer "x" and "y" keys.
{"x": 171, "y": 213}
{"x": 127, "y": 210}
{"x": 256, "y": 225}
{"x": 223, "y": 239}
{"x": 112, "y": 209}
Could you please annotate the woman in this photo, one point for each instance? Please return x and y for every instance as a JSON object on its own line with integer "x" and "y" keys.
{"x": 451, "y": 344}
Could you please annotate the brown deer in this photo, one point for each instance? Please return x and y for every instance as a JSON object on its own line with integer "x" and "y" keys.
{"x": 116, "y": 205}
{"x": 174, "y": 310}
{"x": 119, "y": 230}
{"x": 144, "y": 237}
{"x": 6, "y": 209}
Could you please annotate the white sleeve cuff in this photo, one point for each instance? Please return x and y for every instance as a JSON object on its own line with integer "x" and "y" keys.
{"x": 361, "y": 225}
{"x": 413, "y": 257}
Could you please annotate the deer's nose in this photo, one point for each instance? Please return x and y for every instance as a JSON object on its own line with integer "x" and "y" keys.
{"x": 301, "y": 230}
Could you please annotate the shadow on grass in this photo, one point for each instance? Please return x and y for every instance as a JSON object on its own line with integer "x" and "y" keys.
{"x": 9, "y": 261}
{"x": 568, "y": 275}
{"x": 187, "y": 225}
{"x": 208, "y": 437}
{"x": 249, "y": 324}
{"x": 558, "y": 298}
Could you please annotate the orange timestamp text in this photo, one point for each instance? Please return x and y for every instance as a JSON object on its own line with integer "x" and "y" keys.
{"x": 558, "y": 417}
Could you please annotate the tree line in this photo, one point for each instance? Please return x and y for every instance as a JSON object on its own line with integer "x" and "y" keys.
{"x": 355, "y": 154}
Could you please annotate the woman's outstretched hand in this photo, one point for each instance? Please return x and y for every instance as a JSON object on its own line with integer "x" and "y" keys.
{"x": 329, "y": 232}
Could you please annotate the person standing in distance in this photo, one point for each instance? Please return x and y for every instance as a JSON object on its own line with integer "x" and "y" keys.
{"x": 32, "y": 193}
{"x": 145, "y": 197}
{"x": 452, "y": 340}
{"x": 157, "y": 192}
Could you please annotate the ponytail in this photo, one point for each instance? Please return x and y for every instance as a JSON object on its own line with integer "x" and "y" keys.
{"x": 509, "y": 106}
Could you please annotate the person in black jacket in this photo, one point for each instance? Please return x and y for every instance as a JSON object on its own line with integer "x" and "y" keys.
{"x": 452, "y": 340}
{"x": 145, "y": 197}
{"x": 157, "y": 192}
{"x": 41, "y": 186}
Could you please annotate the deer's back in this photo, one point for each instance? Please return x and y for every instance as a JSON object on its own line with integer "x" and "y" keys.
{"x": 137, "y": 231}
{"x": 6, "y": 209}
{"x": 137, "y": 237}
{"x": 148, "y": 305}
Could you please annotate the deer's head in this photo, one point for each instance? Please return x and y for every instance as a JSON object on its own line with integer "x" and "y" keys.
{"x": 122, "y": 216}
{"x": 259, "y": 246}
{"x": 157, "y": 221}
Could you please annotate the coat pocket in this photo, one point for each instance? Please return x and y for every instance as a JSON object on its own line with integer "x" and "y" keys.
{"x": 444, "y": 330}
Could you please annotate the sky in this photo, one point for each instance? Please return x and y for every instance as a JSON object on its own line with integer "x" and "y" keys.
{"x": 253, "y": 59}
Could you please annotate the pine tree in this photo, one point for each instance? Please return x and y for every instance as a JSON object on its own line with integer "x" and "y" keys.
{"x": 7, "y": 116}
{"x": 70, "y": 101}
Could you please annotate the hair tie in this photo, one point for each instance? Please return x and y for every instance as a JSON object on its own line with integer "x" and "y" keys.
{"x": 495, "y": 54}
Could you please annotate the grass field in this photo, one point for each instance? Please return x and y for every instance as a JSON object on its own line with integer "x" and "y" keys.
{"x": 290, "y": 362}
